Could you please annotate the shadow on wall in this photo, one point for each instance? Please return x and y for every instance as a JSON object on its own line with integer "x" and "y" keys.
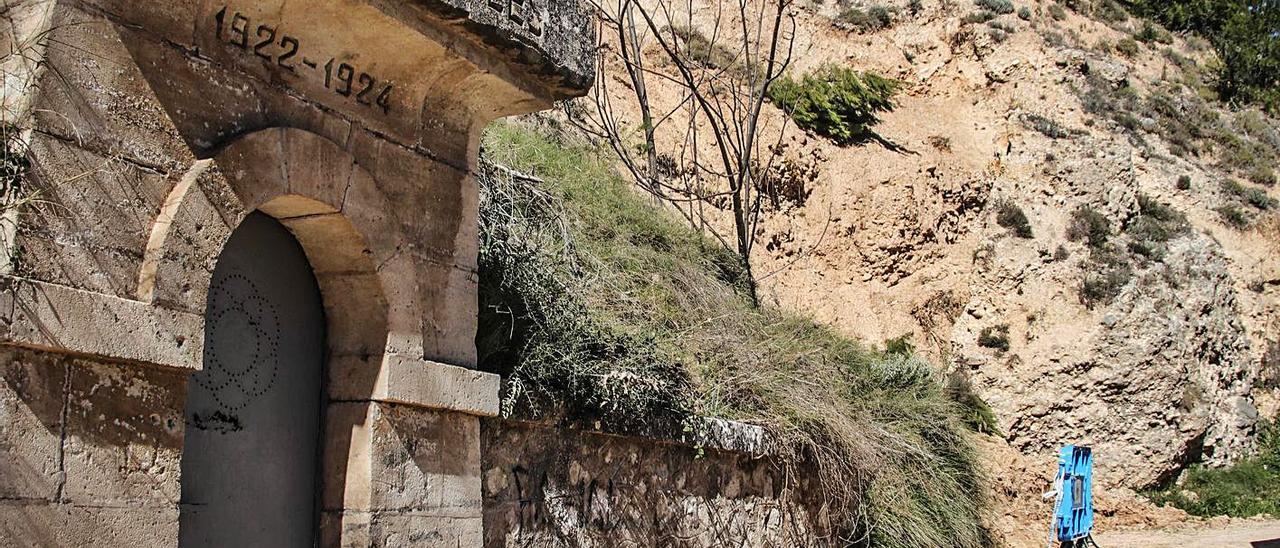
{"x": 83, "y": 444}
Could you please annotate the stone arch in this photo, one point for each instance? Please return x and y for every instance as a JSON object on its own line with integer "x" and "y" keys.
{"x": 331, "y": 204}
{"x": 341, "y": 218}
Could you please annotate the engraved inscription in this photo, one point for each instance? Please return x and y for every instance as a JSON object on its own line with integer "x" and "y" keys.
{"x": 277, "y": 48}
{"x": 522, "y": 13}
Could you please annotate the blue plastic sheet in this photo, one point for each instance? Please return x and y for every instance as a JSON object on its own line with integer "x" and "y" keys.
{"x": 1073, "y": 519}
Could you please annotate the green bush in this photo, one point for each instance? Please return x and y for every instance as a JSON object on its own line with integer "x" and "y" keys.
{"x": 1106, "y": 274}
{"x": 1024, "y": 13}
{"x": 870, "y": 20}
{"x": 1155, "y": 225}
{"x": 836, "y": 102}
{"x": 1184, "y": 182}
{"x": 1109, "y": 11}
{"x": 1128, "y": 47}
{"x": 995, "y": 337}
{"x": 1234, "y": 216}
{"x": 1150, "y": 33}
{"x": 602, "y": 310}
{"x": 1046, "y": 126}
{"x": 1010, "y": 216}
{"x": 978, "y": 17}
{"x": 1243, "y": 32}
{"x": 998, "y": 6}
{"x": 1089, "y": 225}
{"x": 1057, "y": 13}
{"x": 1253, "y": 196}
{"x": 977, "y": 413}
{"x": 1248, "y": 488}
{"x": 711, "y": 54}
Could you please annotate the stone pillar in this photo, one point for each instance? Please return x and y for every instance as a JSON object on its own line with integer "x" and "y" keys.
{"x": 151, "y": 128}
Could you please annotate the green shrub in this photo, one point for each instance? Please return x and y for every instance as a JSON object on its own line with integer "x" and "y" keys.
{"x": 1184, "y": 182}
{"x": 710, "y": 54}
{"x": 1010, "y": 216}
{"x": 870, "y": 20}
{"x": 1106, "y": 274}
{"x": 1062, "y": 253}
{"x": 978, "y": 17}
{"x": 1234, "y": 216}
{"x": 1150, "y": 33}
{"x": 1089, "y": 225}
{"x": 1109, "y": 11}
{"x": 1024, "y": 13}
{"x": 1057, "y": 13}
{"x": 1248, "y": 488}
{"x": 995, "y": 337}
{"x": 603, "y": 310}
{"x": 1048, "y": 127}
{"x": 998, "y": 6}
{"x": 1155, "y": 225}
{"x": 1263, "y": 175}
{"x": 1242, "y": 32}
{"x": 836, "y": 102}
{"x": 901, "y": 346}
{"x": 1253, "y": 196}
{"x": 1128, "y": 47}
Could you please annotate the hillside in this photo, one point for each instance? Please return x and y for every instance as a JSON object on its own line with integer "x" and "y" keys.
{"x": 1135, "y": 310}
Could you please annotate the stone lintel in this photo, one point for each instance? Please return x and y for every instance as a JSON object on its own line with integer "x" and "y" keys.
{"x": 432, "y": 385}
{"x": 552, "y": 40}
{"x": 707, "y": 433}
{"x": 61, "y": 319}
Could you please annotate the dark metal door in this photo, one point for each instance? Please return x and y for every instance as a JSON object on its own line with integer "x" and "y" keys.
{"x": 253, "y": 414}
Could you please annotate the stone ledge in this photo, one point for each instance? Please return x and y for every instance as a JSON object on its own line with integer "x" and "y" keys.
{"x": 432, "y": 385}
{"x": 61, "y": 319}
{"x": 713, "y": 434}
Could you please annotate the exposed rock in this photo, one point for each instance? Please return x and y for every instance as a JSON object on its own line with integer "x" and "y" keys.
{"x": 1164, "y": 375}
{"x": 1109, "y": 70}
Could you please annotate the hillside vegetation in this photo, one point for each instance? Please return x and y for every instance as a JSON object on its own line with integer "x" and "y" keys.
{"x": 1249, "y": 488}
{"x": 603, "y": 309}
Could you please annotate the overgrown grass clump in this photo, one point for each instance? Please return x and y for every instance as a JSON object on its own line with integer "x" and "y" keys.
{"x": 1248, "y": 488}
{"x": 836, "y": 102}
{"x": 598, "y": 307}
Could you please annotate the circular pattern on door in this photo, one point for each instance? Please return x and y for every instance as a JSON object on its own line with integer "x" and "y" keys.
{"x": 242, "y": 343}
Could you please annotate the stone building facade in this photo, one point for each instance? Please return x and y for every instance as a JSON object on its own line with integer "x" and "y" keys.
{"x": 147, "y": 135}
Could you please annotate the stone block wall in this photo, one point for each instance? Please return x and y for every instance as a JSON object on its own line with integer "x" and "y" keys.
{"x": 548, "y": 486}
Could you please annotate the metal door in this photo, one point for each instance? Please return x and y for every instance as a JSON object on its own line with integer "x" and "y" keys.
{"x": 253, "y": 414}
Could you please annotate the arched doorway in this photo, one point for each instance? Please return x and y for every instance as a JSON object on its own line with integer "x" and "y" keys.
{"x": 253, "y": 414}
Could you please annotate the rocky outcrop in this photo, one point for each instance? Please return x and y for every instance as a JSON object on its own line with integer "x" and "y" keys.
{"x": 1160, "y": 378}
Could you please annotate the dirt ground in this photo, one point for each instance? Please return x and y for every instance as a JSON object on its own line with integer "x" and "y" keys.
{"x": 1215, "y": 534}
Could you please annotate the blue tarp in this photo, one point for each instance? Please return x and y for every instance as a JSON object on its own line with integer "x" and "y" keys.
{"x": 1073, "y": 519}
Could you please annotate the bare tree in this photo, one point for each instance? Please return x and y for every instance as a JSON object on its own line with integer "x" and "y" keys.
{"x": 722, "y": 56}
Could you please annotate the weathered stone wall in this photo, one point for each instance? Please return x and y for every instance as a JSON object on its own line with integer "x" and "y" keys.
{"x": 152, "y": 129}
{"x": 89, "y": 451}
{"x": 546, "y": 487}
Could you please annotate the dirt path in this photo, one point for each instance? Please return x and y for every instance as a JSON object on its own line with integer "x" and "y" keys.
{"x": 1242, "y": 534}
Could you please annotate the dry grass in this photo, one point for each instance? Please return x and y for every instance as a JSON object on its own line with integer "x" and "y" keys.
{"x": 599, "y": 307}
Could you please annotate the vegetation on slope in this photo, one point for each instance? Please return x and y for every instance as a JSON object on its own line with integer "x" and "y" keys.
{"x": 836, "y": 102}
{"x": 1245, "y": 33}
{"x": 1250, "y": 487}
{"x": 598, "y": 307}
